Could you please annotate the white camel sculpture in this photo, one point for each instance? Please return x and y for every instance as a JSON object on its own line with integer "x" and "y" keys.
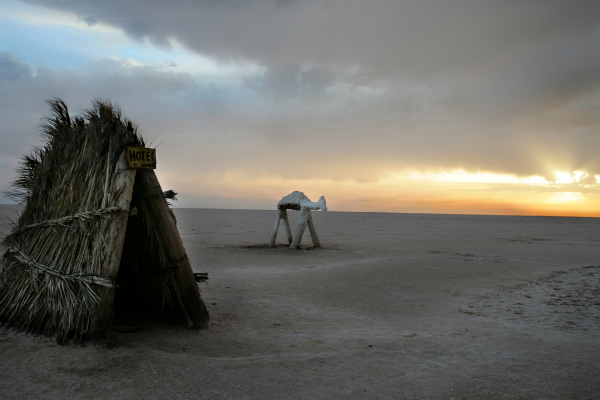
{"x": 298, "y": 201}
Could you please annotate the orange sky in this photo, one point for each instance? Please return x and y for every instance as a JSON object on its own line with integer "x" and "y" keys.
{"x": 446, "y": 193}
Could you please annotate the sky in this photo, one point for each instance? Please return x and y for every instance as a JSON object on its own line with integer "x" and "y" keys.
{"x": 421, "y": 106}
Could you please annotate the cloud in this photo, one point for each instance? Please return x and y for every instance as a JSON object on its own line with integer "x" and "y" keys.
{"x": 91, "y": 21}
{"x": 288, "y": 81}
{"x": 23, "y": 94}
{"x": 12, "y": 68}
{"x": 587, "y": 179}
{"x": 339, "y": 127}
{"x": 498, "y": 61}
{"x": 355, "y": 88}
{"x": 416, "y": 36}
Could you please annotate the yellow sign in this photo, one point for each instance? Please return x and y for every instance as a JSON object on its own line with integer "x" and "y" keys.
{"x": 139, "y": 157}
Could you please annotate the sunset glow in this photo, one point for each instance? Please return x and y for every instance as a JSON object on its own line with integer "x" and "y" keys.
{"x": 418, "y": 108}
{"x": 456, "y": 192}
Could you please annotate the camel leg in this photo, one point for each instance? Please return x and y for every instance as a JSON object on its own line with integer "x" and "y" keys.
{"x": 274, "y": 235}
{"x": 286, "y": 223}
{"x": 313, "y": 232}
{"x": 302, "y": 222}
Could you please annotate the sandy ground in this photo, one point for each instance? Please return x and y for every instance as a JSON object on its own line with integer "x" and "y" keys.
{"x": 392, "y": 306}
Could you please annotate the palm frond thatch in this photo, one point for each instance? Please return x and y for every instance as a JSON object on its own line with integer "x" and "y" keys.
{"x": 53, "y": 273}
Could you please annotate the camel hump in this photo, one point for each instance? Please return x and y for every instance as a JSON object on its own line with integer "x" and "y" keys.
{"x": 292, "y": 200}
{"x": 297, "y": 201}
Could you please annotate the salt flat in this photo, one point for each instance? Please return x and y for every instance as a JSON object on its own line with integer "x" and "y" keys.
{"x": 392, "y": 306}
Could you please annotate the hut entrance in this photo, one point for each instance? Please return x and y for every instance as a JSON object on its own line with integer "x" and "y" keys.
{"x": 95, "y": 235}
{"x": 143, "y": 268}
{"x": 148, "y": 279}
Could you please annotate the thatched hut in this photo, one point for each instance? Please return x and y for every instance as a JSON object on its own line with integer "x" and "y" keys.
{"x": 94, "y": 236}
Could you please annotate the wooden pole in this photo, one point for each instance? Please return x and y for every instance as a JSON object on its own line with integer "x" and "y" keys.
{"x": 197, "y": 313}
{"x": 123, "y": 178}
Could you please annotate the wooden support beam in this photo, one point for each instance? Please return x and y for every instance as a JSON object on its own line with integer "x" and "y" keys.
{"x": 123, "y": 178}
